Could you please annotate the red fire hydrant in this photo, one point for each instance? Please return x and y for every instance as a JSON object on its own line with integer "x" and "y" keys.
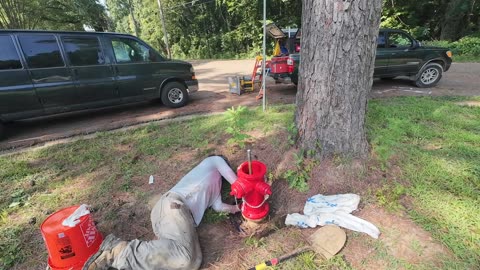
{"x": 253, "y": 190}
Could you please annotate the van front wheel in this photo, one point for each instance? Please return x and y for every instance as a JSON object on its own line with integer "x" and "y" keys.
{"x": 174, "y": 95}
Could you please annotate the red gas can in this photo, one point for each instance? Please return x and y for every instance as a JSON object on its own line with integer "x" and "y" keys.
{"x": 69, "y": 247}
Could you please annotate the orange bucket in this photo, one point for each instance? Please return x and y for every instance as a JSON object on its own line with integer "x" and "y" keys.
{"x": 69, "y": 247}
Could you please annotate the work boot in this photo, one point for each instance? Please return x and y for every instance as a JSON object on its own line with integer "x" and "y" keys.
{"x": 110, "y": 249}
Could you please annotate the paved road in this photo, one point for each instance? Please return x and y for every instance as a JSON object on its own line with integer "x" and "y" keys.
{"x": 462, "y": 79}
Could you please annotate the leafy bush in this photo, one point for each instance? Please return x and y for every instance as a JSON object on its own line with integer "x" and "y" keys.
{"x": 236, "y": 125}
{"x": 469, "y": 45}
{"x": 438, "y": 43}
{"x": 299, "y": 177}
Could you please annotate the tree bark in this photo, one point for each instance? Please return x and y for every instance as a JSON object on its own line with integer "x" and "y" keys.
{"x": 336, "y": 75}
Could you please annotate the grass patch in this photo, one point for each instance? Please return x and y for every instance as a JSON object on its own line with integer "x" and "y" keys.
{"x": 434, "y": 143}
{"x": 212, "y": 217}
{"x": 36, "y": 183}
{"x": 437, "y": 145}
{"x": 252, "y": 241}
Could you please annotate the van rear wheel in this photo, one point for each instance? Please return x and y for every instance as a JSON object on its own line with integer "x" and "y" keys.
{"x": 174, "y": 95}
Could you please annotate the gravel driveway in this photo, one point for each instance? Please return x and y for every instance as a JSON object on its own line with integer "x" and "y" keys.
{"x": 462, "y": 79}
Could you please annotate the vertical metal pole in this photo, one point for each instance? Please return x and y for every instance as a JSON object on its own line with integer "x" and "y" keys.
{"x": 249, "y": 158}
{"x": 264, "y": 54}
{"x": 165, "y": 35}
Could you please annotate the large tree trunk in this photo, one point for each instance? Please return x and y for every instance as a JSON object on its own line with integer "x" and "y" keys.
{"x": 337, "y": 63}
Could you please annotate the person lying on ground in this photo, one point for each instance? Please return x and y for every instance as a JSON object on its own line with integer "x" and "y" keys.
{"x": 174, "y": 218}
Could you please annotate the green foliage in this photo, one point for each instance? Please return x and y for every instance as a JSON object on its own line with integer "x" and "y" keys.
{"x": 434, "y": 19}
{"x": 52, "y": 14}
{"x": 292, "y": 133}
{"x": 465, "y": 49}
{"x": 226, "y": 28}
{"x": 213, "y": 217}
{"x": 203, "y": 29}
{"x": 253, "y": 241}
{"x": 236, "y": 123}
{"x": 469, "y": 45}
{"x": 389, "y": 196}
{"x": 10, "y": 247}
{"x": 298, "y": 177}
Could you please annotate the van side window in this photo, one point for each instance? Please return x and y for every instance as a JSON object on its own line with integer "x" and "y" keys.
{"x": 381, "y": 40}
{"x": 9, "y": 58}
{"x": 128, "y": 50}
{"x": 41, "y": 51}
{"x": 83, "y": 51}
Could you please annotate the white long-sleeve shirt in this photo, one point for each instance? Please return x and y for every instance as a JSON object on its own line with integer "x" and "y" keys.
{"x": 201, "y": 187}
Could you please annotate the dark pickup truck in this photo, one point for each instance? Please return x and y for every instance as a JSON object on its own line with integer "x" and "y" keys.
{"x": 398, "y": 54}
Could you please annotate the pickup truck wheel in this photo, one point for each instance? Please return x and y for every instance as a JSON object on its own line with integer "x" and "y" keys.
{"x": 429, "y": 76}
{"x": 174, "y": 95}
{"x": 295, "y": 81}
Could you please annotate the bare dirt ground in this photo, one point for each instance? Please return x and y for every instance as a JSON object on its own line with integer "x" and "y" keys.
{"x": 401, "y": 245}
{"x": 462, "y": 79}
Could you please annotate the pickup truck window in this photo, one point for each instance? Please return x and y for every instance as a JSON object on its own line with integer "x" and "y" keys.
{"x": 9, "y": 58}
{"x": 83, "y": 51}
{"x": 128, "y": 50}
{"x": 399, "y": 40}
{"x": 41, "y": 51}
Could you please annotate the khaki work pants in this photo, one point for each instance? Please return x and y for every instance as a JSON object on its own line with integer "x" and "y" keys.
{"x": 177, "y": 246}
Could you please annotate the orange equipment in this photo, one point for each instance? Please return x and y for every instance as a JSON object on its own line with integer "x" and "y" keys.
{"x": 248, "y": 84}
{"x": 69, "y": 247}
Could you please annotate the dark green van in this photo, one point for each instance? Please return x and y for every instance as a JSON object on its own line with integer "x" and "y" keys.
{"x": 44, "y": 73}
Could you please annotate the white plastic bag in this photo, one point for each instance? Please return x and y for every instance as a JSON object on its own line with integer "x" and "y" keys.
{"x": 327, "y": 204}
{"x": 322, "y": 210}
{"x": 74, "y": 218}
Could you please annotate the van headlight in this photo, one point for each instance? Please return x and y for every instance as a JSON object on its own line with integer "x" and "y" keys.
{"x": 192, "y": 70}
